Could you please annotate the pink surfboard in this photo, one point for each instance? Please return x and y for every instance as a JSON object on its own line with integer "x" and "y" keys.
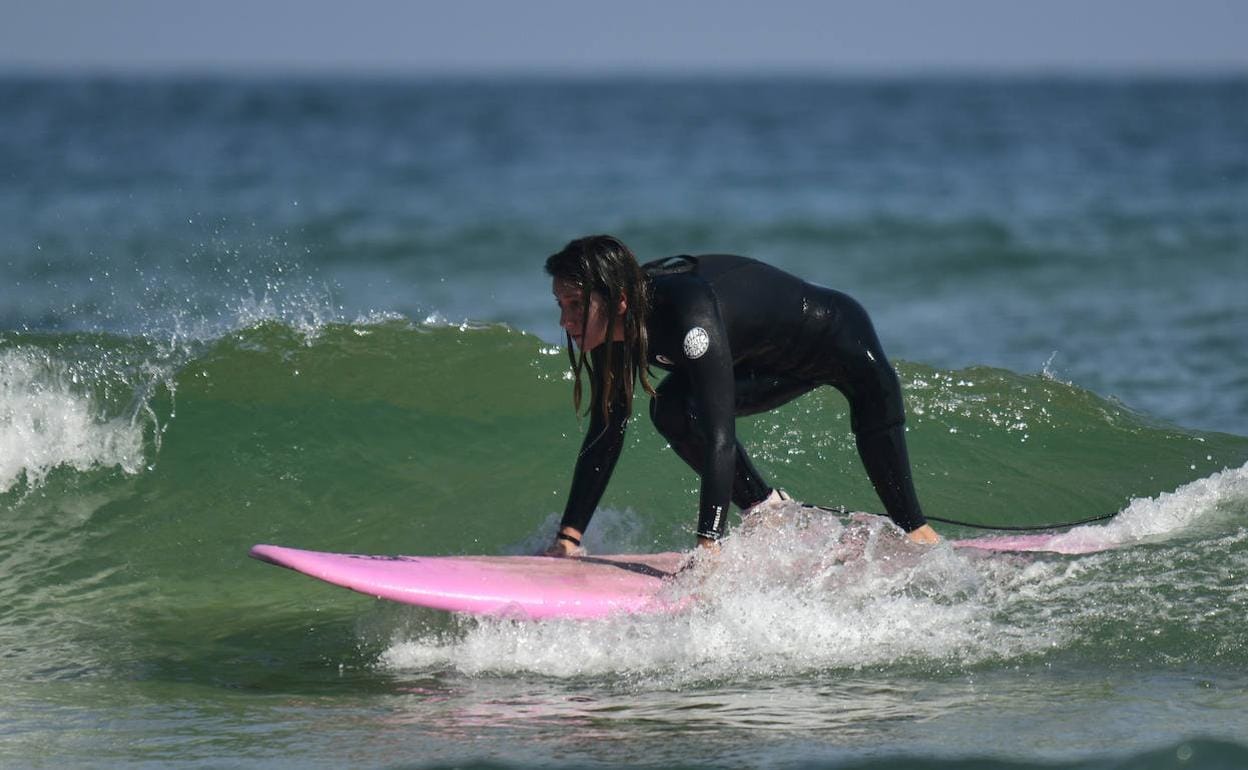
{"x": 540, "y": 587}
{"x": 533, "y": 587}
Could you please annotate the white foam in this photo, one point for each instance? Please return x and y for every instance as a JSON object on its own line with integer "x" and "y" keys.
{"x": 46, "y": 423}
{"x": 1169, "y": 513}
{"x": 807, "y": 593}
{"x": 804, "y": 592}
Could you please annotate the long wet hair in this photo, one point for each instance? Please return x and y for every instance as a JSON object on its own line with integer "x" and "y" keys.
{"x": 603, "y": 264}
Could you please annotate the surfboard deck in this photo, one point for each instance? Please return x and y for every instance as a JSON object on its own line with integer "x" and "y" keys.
{"x": 541, "y": 587}
{"x": 533, "y": 587}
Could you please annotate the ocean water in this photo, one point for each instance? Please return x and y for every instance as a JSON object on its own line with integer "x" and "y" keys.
{"x": 312, "y": 312}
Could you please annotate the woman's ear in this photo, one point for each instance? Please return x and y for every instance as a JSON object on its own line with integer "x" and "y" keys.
{"x": 623, "y": 307}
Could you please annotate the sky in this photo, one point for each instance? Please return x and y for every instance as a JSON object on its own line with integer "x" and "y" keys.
{"x": 589, "y": 36}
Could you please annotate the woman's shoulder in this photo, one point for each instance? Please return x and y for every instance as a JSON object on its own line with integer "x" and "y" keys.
{"x": 702, "y": 265}
{"x": 681, "y": 264}
{"x": 675, "y": 284}
{"x": 681, "y": 300}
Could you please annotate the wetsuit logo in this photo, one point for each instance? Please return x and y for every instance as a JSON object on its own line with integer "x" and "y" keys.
{"x": 696, "y": 342}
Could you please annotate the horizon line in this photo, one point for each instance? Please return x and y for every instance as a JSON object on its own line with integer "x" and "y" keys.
{"x": 262, "y": 70}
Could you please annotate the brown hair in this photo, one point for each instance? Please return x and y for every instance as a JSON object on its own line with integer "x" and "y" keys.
{"x": 602, "y": 263}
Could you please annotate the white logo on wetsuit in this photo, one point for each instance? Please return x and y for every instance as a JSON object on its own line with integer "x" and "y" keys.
{"x": 696, "y": 342}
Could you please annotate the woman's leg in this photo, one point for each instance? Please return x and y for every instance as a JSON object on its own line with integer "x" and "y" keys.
{"x": 675, "y": 416}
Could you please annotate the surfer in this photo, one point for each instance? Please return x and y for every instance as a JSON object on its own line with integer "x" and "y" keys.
{"x": 738, "y": 337}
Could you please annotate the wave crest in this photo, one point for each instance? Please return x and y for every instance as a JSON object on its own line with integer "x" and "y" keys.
{"x": 48, "y": 419}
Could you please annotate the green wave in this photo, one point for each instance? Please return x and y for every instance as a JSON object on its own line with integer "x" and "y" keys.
{"x": 439, "y": 438}
{"x": 396, "y": 437}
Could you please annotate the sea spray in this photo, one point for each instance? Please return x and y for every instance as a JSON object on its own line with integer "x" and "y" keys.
{"x": 51, "y": 417}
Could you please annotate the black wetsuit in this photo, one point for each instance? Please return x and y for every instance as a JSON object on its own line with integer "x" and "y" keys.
{"x": 742, "y": 337}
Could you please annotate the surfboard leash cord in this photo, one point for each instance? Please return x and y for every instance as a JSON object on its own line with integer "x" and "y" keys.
{"x": 842, "y": 510}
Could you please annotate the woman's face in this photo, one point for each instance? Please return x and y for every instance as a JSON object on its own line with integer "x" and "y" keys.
{"x": 571, "y": 303}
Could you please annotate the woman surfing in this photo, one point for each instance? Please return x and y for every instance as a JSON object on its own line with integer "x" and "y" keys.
{"x": 738, "y": 337}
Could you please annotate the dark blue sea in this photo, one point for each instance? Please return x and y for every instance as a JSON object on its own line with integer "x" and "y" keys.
{"x": 312, "y": 312}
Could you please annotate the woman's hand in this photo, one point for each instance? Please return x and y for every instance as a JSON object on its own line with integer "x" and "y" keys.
{"x": 567, "y": 543}
{"x": 924, "y": 535}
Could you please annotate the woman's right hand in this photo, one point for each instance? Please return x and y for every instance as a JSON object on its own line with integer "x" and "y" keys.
{"x": 563, "y": 547}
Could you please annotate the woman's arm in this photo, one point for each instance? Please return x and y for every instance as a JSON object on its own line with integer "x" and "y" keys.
{"x": 599, "y": 452}
{"x": 708, "y": 361}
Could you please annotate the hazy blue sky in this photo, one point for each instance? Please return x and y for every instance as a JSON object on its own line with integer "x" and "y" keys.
{"x": 586, "y": 35}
